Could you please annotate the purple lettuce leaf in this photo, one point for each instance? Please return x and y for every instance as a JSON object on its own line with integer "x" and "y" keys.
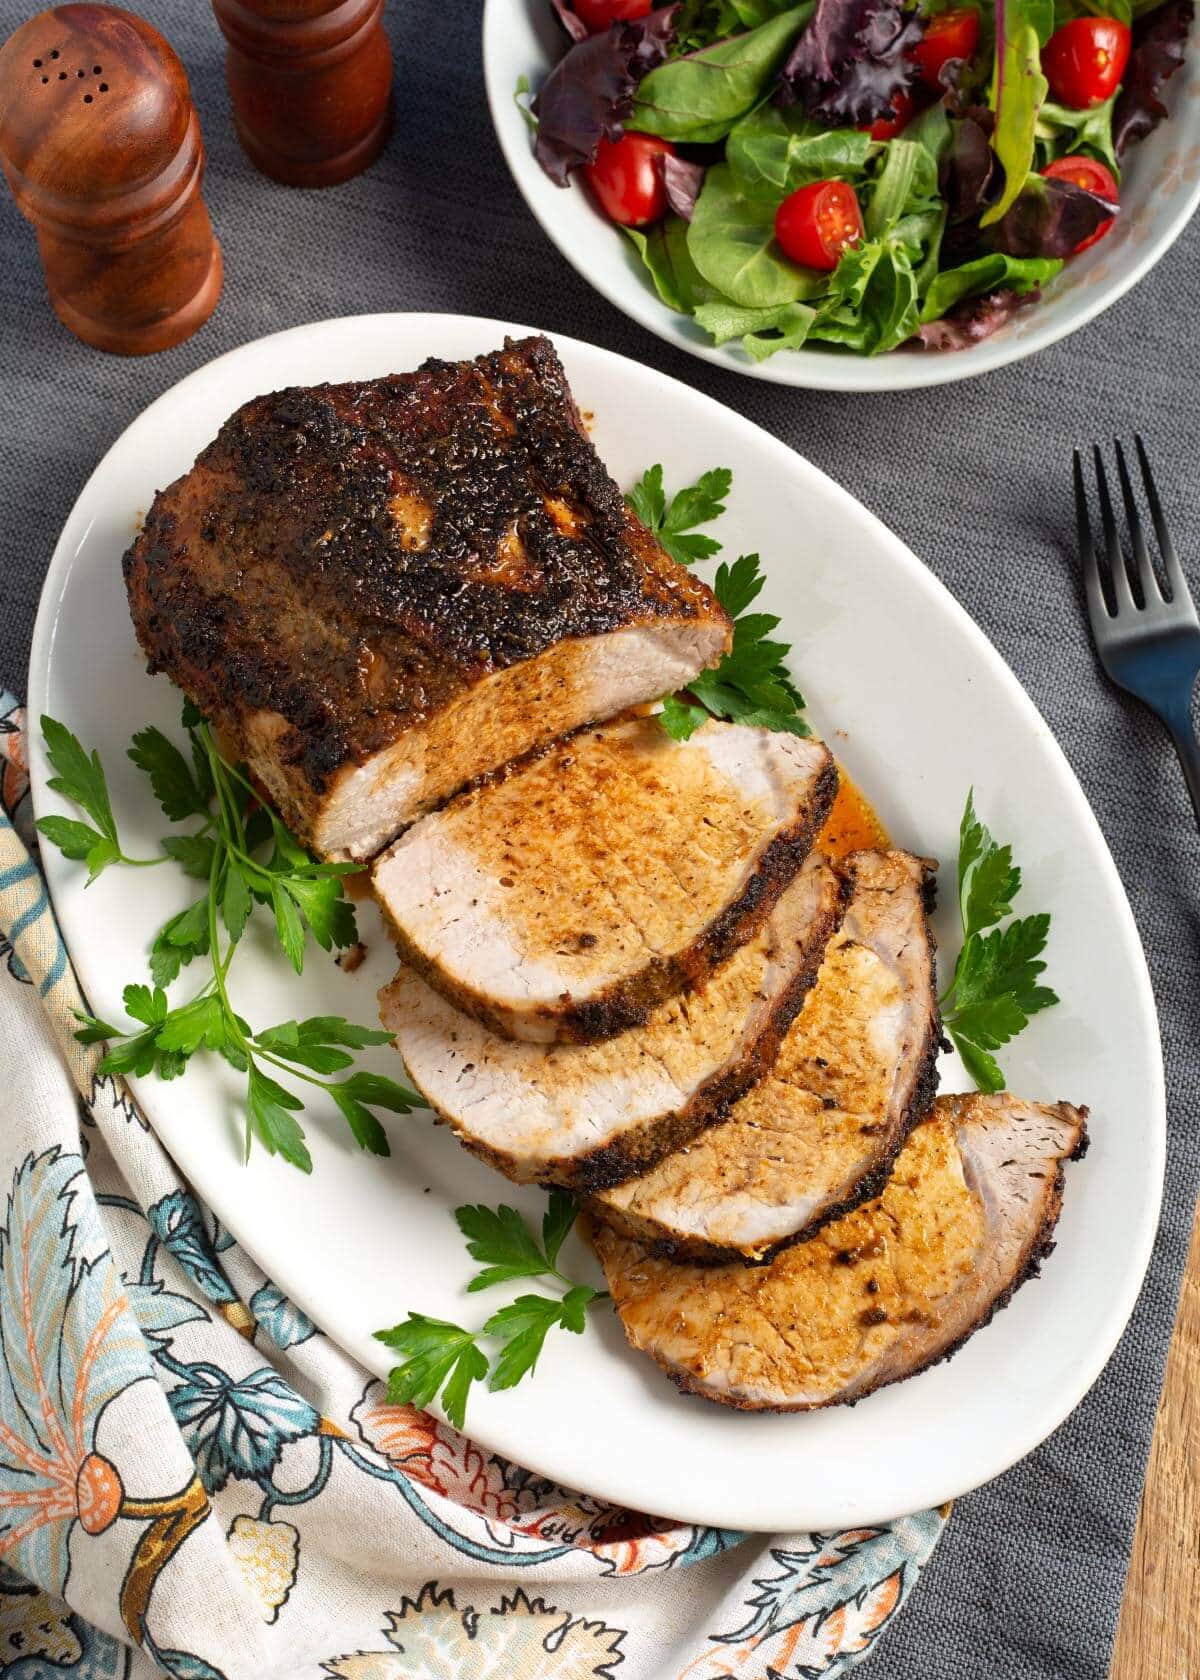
{"x": 570, "y": 20}
{"x": 852, "y": 60}
{"x": 1050, "y": 218}
{"x": 589, "y": 93}
{"x": 683, "y": 180}
{"x": 1159, "y": 47}
{"x": 970, "y": 170}
{"x": 972, "y": 320}
{"x": 963, "y": 84}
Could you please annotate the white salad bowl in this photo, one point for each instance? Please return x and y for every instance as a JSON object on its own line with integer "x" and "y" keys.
{"x": 1160, "y": 188}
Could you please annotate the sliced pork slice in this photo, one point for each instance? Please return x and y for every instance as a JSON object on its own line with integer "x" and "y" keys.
{"x": 820, "y": 1131}
{"x": 563, "y": 901}
{"x": 590, "y": 1115}
{"x": 889, "y": 1289}
{"x": 382, "y": 590}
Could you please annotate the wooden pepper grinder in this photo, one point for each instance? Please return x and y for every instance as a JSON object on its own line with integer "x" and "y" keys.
{"x": 101, "y": 147}
{"x": 311, "y": 84}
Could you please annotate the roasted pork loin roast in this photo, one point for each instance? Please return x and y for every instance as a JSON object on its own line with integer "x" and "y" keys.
{"x": 878, "y": 1295}
{"x": 589, "y": 1115}
{"x": 565, "y": 900}
{"x": 818, "y": 1134}
{"x": 414, "y": 606}
{"x": 379, "y": 591}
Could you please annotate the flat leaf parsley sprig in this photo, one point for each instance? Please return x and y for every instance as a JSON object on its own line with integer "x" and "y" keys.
{"x": 995, "y": 988}
{"x": 440, "y": 1357}
{"x": 751, "y": 684}
{"x": 246, "y": 859}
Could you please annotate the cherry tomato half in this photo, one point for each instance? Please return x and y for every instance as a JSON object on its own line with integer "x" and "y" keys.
{"x": 948, "y": 35}
{"x": 596, "y": 15}
{"x": 627, "y": 180}
{"x": 1085, "y": 59}
{"x": 816, "y": 223}
{"x": 1093, "y": 177}
{"x": 904, "y": 108}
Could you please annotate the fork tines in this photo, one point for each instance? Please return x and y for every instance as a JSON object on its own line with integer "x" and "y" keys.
{"x": 1127, "y": 583}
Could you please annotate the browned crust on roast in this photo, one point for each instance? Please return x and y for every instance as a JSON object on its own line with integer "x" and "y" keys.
{"x": 698, "y": 1252}
{"x": 630, "y": 1002}
{"x": 1039, "y": 1247}
{"x": 635, "y": 1152}
{"x": 273, "y": 579}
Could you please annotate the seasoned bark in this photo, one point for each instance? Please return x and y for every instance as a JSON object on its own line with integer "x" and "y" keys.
{"x": 419, "y": 577}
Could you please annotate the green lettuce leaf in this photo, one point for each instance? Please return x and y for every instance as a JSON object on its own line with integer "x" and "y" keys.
{"x": 732, "y": 243}
{"x": 1019, "y": 90}
{"x": 785, "y": 326}
{"x": 986, "y": 274}
{"x": 874, "y": 306}
{"x": 907, "y": 184}
{"x": 777, "y": 148}
{"x": 1062, "y": 132}
{"x": 663, "y": 249}
{"x": 700, "y": 96}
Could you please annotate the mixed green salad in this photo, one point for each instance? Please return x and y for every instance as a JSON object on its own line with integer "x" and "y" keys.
{"x": 856, "y": 174}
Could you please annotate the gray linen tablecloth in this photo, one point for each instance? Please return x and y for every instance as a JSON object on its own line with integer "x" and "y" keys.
{"x": 1027, "y": 1582}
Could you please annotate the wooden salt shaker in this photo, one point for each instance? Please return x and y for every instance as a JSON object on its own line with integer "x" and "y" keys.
{"x": 311, "y": 85}
{"x": 101, "y": 147}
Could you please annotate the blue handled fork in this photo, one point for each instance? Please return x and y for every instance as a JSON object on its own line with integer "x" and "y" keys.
{"x": 1148, "y": 639}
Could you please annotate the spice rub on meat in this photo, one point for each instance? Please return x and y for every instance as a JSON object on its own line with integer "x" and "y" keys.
{"x": 566, "y": 900}
{"x": 819, "y": 1133}
{"x": 378, "y": 591}
{"x": 588, "y": 1115}
{"x": 880, "y": 1294}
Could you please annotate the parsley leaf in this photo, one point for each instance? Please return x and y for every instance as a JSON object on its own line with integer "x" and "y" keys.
{"x": 751, "y": 684}
{"x": 648, "y": 499}
{"x": 364, "y": 1126}
{"x": 680, "y": 719}
{"x": 331, "y": 1029}
{"x": 79, "y": 776}
{"x": 93, "y": 1030}
{"x": 288, "y": 926}
{"x": 200, "y": 1022}
{"x": 381, "y": 1092}
{"x": 439, "y": 1355}
{"x": 560, "y": 1215}
{"x": 329, "y": 915}
{"x": 271, "y": 1117}
{"x": 434, "y": 1355}
{"x": 192, "y": 852}
{"x": 502, "y": 1239}
{"x": 674, "y": 523}
{"x": 523, "y": 1327}
{"x": 170, "y": 774}
{"x": 988, "y": 880}
{"x": 145, "y": 1005}
{"x": 237, "y": 901}
{"x": 137, "y": 1054}
{"x": 74, "y": 840}
{"x": 227, "y": 850}
{"x": 996, "y": 985}
{"x": 180, "y": 939}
